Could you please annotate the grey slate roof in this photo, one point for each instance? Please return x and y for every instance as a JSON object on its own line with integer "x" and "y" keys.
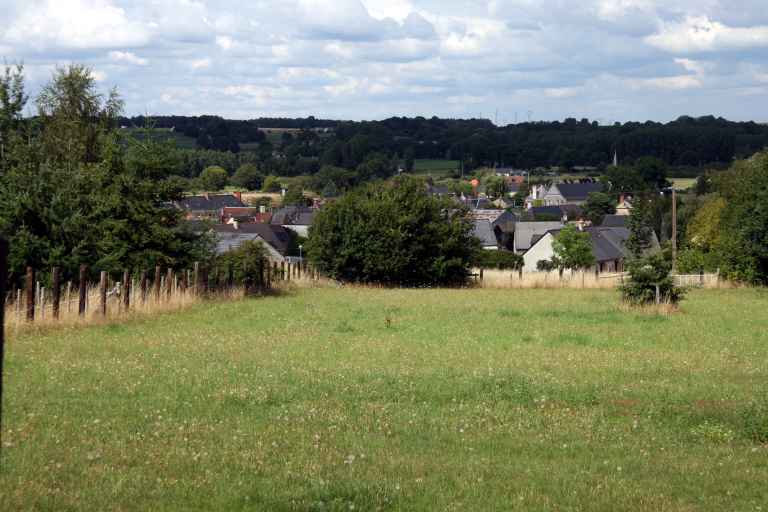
{"x": 578, "y": 191}
{"x": 228, "y": 237}
{"x": 526, "y": 231}
{"x": 615, "y": 221}
{"x": 608, "y": 244}
{"x": 293, "y": 216}
{"x": 482, "y": 230}
{"x": 212, "y": 203}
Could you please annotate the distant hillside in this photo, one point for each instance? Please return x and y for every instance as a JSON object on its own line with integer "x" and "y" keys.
{"x": 685, "y": 142}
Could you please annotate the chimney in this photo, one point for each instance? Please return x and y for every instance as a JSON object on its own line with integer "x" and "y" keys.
{"x": 235, "y": 224}
{"x": 238, "y": 195}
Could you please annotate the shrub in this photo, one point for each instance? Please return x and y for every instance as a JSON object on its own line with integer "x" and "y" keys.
{"x": 248, "y": 176}
{"x": 247, "y": 264}
{"x": 393, "y": 233}
{"x": 650, "y": 280}
{"x": 213, "y": 178}
{"x": 502, "y": 260}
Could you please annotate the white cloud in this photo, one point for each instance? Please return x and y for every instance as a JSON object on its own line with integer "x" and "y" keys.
{"x": 668, "y": 82}
{"x": 128, "y": 57}
{"x": 701, "y": 34}
{"x": 75, "y": 24}
{"x": 200, "y": 63}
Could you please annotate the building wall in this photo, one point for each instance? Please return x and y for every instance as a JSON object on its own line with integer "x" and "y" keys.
{"x": 542, "y": 250}
{"x": 299, "y": 230}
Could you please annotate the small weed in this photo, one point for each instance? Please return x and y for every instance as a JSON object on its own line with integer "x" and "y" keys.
{"x": 714, "y": 432}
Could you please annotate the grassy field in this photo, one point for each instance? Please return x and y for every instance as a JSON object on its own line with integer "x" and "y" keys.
{"x": 683, "y": 183}
{"x": 358, "y": 399}
{"x": 436, "y": 168}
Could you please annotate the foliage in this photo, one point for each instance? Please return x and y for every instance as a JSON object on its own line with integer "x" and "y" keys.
{"x": 650, "y": 281}
{"x": 393, "y": 233}
{"x": 248, "y": 176}
{"x": 74, "y": 195}
{"x": 13, "y": 98}
{"x": 330, "y": 190}
{"x": 597, "y": 206}
{"x": 247, "y": 264}
{"x": 502, "y": 260}
{"x": 294, "y": 196}
{"x": 271, "y": 184}
{"x": 572, "y": 249}
{"x": 213, "y": 178}
{"x": 640, "y": 231}
{"x": 704, "y": 229}
{"x": 496, "y": 186}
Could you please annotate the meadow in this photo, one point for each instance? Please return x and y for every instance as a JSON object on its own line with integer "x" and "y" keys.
{"x": 373, "y": 399}
{"x": 435, "y": 168}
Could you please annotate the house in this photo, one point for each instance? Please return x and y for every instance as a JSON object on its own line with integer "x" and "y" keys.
{"x": 238, "y": 213}
{"x": 482, "y": 230}
{"x": 501, "y": 222}
{"x": 276, "y": 239}
{"x": 570, "y": 193}
{"x": 625, "y": 205}
{"x": 295, "y": 218}
{"x": 562, "y": 212}
{"x": 503, "y": 202}
{"x": 615, "y": 221}
{"x": 608, "y": 247}
{"x": 528, "y": 233}
{"x": 438, "y": 190}
{"x": 208, "y": 206}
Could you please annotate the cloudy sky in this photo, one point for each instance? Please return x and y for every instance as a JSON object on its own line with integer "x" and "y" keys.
{"x": 609, "y": 60}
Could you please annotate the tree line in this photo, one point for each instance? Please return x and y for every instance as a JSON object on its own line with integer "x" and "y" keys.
{"x": 686, "y": 145}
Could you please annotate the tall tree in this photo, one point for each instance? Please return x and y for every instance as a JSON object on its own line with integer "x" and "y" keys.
{"x": 393, "y": 233}
{"x": 13, "y": 98}
{"x": 597, "y": 206}
{"x": 640, "y": 230}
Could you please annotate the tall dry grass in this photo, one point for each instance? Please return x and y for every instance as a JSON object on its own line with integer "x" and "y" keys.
{"x": 502, "y": 279}
{"x": 176, "y": 299}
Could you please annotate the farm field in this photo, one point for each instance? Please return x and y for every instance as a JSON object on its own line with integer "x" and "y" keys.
{"x": 370, "y": 399}
{"x": 436, "y": 168}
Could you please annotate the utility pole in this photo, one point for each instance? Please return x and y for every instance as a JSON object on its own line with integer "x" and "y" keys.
{"x": 674, "y": 229}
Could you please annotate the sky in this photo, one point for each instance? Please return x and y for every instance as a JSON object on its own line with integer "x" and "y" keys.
{"x": 504, "y": 60}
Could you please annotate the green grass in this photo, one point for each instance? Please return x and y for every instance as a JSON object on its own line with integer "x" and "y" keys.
{"x": 435, "y": 168}
{"x": 181, "y": 140}
{"x": 330, "y": 399}
{"x": 683, "y": 183}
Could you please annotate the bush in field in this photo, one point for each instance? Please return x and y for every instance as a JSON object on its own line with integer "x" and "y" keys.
{"x": 246, "y": 264}
{"x": 650, "y": 281}
{"x": 393, "y": 233}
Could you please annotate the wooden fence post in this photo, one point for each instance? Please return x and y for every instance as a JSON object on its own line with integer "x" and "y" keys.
{"x": 169, "y": 283}
{"x": 103, "y": 293}
{"x": 41, "y": 301}
{"x": 127, "y": 290}
{"x": 69, "y": 296}
{"x": 197, "y": 279}
{"x": 157, "y": 282}
{"x": 144, "y": 286}
{"x": 83, "y": 290}
{"x": 481, "y": 275}
{"x": 56, "y": 292}
{"x": 30, "y": 294}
